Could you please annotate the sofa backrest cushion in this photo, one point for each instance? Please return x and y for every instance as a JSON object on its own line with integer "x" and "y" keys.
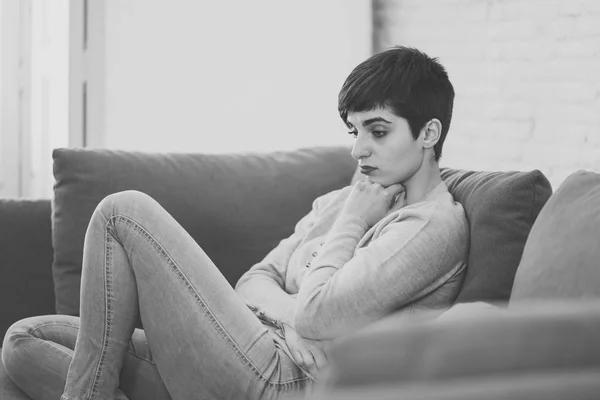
{"x": 561, "y": 259}
{"x": 26, "y": 283}
{"x": 236, "y": 206}
{"x": 501, "y": 208}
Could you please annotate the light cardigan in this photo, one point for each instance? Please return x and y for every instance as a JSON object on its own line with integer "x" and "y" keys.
{"x": 334, "y": 274}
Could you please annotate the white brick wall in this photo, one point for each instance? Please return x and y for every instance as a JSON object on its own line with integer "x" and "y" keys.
{"x": 526, "y": 74}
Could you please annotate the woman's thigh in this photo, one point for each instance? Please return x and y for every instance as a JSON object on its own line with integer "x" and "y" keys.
{"x": 37, "y": 352}
{"x": 205, "y": 340}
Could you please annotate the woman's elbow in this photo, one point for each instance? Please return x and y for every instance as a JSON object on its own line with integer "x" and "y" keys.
{"x": 301, "y": 323}
{"x": 311, "y": 317}
{"x": 311, "y": 326}
{"x": 306, "y": 324}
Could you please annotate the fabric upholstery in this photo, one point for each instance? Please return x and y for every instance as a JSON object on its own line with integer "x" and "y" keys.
{"x": 556, "y": 385}
{"x": 26, "y": 282}
{"x": 236, "y": 206}
{"x": 561, "y": 259}
{"x": 501, "y": 208}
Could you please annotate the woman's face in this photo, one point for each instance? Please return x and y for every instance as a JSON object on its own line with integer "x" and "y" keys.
{"x": 384, "y": 147}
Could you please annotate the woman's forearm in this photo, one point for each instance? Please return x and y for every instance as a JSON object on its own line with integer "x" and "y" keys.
{"x": 268, "y": 300}
{"x": 338, "y": 250}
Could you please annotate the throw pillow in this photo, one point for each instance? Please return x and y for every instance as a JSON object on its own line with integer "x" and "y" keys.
{"x": 236, "y": 206}
{"x": 501, "y": 208}
{"x": 561, "y": 259}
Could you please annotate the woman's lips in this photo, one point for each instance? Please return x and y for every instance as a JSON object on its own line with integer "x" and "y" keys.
{"x": 367, "y": 169}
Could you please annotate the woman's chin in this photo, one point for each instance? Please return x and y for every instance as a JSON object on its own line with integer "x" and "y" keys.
{"x": 381, "y": 181}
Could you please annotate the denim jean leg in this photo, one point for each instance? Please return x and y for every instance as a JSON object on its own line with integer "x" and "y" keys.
{"x": 37, "y": 352}
{"x": 205, "y": 341}
{"x": 108, "y": 313}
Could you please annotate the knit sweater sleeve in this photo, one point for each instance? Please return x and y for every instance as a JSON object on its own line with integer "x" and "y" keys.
{"x": 347, "y": 288}
{"x": 262, "y": 287}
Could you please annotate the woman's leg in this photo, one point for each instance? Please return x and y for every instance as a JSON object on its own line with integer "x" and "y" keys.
{"x": 139, "y": 262}
{"x": 37, "y": 352}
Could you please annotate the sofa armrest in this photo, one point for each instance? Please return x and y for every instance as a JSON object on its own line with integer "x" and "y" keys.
{"x": 573, "y": 385}
{"x": 531, "y": 338}
{"x": 26, "y": 286}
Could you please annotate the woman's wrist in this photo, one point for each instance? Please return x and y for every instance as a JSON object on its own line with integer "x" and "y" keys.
{"x": 266, "y": 317}
{"x": 286, "y": 326}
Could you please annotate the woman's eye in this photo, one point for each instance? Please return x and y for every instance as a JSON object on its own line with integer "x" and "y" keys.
{"x": 379, "y": 134}
{"x": 353, "y": 133}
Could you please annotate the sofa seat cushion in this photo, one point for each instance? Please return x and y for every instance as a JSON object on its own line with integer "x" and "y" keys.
{"x": 236, "y": 206}
{"x": 561, "y": 259}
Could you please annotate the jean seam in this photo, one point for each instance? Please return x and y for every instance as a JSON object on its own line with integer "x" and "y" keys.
{"x": 57, "y": 347}
{"x": 141, "y": 358}
{"x": 49, "y": 342}
{"x": 29, "y": 335}
{"x": 108, "y": 310}
{"x": 137, "y": 227}
{"x": 45, "y": 324}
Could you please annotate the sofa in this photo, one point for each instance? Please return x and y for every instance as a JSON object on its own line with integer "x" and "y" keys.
{"x": 505, "y": 337}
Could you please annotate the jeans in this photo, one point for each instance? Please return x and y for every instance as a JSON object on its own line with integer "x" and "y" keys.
{"x": 200, "y": 340}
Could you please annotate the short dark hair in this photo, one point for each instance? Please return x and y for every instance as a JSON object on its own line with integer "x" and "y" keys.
{"x": 408, "y": 82}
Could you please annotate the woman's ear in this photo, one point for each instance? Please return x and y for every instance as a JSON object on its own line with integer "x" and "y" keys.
{"x": 431, "y": 133}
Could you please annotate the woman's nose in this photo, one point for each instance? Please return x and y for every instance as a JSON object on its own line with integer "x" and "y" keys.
{"x": 360, "y": 148}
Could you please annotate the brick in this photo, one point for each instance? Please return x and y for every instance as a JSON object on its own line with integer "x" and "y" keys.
{"x": 590, "y": 6}
{"x": 511, "y": 29}
{"x": 581, "y": 48}
{"x": 588, "y": 25}
{"x": 524, "y": 10}
{"x": 570, "y": 8}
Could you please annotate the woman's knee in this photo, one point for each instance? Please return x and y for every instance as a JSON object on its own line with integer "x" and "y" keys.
{"x": 22, "y": 328}
{"x": 19, "y": 338}
{"x": 11, "y": 341}
{"x": 122, "y": 199}
{"x": 59, "y": 329}
{"x": 14, "y": 345}
{"x": 124, "y": 202}
{"x": 37, "y": 351}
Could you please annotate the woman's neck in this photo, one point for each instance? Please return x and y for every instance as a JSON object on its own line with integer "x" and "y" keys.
{"x": 422, "y": 182}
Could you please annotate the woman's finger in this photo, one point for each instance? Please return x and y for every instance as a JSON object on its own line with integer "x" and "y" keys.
{"x": 309, "y": 362}
{"x": 298, "y": 357}
{"x": 319, "y": 356}
{"x": 394, "y": 189}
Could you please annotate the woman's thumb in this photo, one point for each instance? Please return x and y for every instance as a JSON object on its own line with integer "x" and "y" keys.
{"x": 299, "y": 358}
{"x": 395, "y": 189}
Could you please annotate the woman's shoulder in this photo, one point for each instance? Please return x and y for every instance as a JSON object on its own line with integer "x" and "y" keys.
{"x": 442, "y": 210}
{"x": 337, "y": 196}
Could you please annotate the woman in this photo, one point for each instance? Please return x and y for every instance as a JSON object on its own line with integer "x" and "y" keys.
{"x": 396, "y": 241}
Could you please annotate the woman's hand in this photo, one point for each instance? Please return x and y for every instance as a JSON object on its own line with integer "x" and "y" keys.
{"x": 371, "y": 201}
{"x": 307, "y": 353}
